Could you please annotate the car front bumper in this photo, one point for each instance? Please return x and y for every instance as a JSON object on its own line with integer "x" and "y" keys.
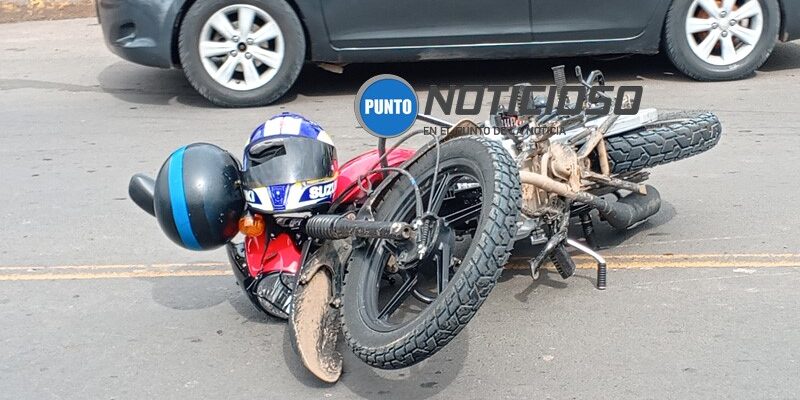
{"x": 140, "y": 31}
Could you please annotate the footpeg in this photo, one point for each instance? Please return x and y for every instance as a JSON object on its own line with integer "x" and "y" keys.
{"x": 601, "y": 262}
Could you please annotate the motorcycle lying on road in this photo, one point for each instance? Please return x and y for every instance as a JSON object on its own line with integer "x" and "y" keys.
{"x": 413, "y": 242}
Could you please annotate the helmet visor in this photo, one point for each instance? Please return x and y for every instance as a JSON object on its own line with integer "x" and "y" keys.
{"x": 286, "y": 160}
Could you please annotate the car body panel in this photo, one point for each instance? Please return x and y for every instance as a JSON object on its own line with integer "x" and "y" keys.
{"x": 387, "y": 23}
{"x": 590, "y": 20}
{"x": 554, "y": 30}
{"x": 790, "y": 20}
{"x": 141, "y": 31}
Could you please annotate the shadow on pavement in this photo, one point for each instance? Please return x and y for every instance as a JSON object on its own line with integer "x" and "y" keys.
{"x": 607, "y": 237}
{"x": 316, "y": 82}
{"x": 417, "y": 382}
{"x": 186, "y": 294}
{"x": 151, "y": 86}
{"x": 143, "y": 85}
{"x": 785, "y": 56}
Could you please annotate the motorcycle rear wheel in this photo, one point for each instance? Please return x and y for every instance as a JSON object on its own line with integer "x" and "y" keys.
{"x": 673, "y": 137}
{"x": 369, "y": 330}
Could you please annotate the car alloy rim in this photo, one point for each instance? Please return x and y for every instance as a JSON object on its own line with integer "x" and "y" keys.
{"x": 241, "y": 47}
{"x": 724, "y": 32}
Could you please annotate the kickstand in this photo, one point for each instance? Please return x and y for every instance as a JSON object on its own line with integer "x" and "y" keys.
{"x": 601, "y": 262}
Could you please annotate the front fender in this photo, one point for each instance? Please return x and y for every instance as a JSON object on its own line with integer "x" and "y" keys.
{"x": 315, "y": 323}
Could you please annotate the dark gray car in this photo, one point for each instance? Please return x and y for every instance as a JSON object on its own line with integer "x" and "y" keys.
{"x": 250, "y": 52}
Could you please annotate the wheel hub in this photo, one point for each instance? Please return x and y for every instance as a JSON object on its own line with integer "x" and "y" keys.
{"x": 241, "y": 47}
{"x": 723, "y": 32}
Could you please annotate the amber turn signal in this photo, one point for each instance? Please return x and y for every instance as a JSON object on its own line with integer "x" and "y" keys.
{"x": 251, "y": 224}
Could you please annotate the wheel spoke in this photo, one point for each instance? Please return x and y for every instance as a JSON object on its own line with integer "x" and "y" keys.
{"x": 727, "y": 5}
{"x": 749, "y": 36}
{"x": 728, "y": 50}
{"x": 473, "y": 210}
{"x": 221, "y": 24}
{"x": 394, "y": 303}
{"x": 749, "y": 9}
{"x": 695, "y": 25}
{"x": 267, "y": 32}
{"x": 439, "y": 192}
{"x": 225, "y": 71}
{"x": 710, "y": 6}
{"x": 707, "y": 45}
{"x": 251, "y": 74}
{"x": 246, "y": 18}
{"x": 270, "y": 58}
{"x": 212, "y": 49}
{"x": 443, "y": 263}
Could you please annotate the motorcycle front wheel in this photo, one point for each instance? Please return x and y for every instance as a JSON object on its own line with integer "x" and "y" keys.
{"x": 398, "y": 313}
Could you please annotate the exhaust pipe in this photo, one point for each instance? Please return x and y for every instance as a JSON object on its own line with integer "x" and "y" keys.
{"x": 621, "y": 214}
{"x": 632, "y": 209}
{"x": 141, "y": 189}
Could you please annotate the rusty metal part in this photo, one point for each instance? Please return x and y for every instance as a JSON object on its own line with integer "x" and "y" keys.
{"x": 547, "y": 184}
{"x": 464, "y": 127}
{"x": 591, "y": 143}
{"x": 602, "y": 156}
{"x": 617, "y": 183}
{"x": 564, "y": 165}
{"x": 332, "y": 67}
{"x": 596, "y": 137}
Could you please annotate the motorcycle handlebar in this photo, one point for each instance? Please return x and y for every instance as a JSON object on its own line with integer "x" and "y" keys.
{"x": 340, "y": 227}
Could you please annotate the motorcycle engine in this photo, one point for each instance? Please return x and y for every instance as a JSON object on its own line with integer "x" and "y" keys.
{"x": 554, "y": 160}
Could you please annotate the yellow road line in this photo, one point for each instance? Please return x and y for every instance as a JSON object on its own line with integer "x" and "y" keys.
{"x": 112, "y": 275}
{"x": 617, "y": 261}
{"x": 648, "y": 261}
{"x": 111, "y": 266}
{"x": 586, "y": 264}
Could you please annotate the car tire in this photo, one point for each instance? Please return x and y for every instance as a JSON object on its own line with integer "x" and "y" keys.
{"x": 690, "y": 30}
{"x": 235, "y": 69}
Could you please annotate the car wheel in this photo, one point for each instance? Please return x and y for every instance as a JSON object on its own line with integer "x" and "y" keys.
{"x": 713, "y": 40}
{"x": 241, "y": 53}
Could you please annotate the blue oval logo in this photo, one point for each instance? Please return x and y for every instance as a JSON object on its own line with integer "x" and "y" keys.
{"x": 386, "y": 106}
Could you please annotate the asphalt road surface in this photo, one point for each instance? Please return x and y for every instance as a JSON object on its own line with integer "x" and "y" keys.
{"x": 95, "y": 303}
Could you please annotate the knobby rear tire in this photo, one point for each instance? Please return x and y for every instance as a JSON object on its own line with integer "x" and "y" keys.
{"x": 689, "y": 134}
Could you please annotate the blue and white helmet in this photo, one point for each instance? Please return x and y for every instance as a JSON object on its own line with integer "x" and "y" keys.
{"x": 289, "y": 165}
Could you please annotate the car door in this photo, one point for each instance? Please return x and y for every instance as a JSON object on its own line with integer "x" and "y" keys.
{"x": 581, "y": 20}
{"x": 423, "y": 23}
